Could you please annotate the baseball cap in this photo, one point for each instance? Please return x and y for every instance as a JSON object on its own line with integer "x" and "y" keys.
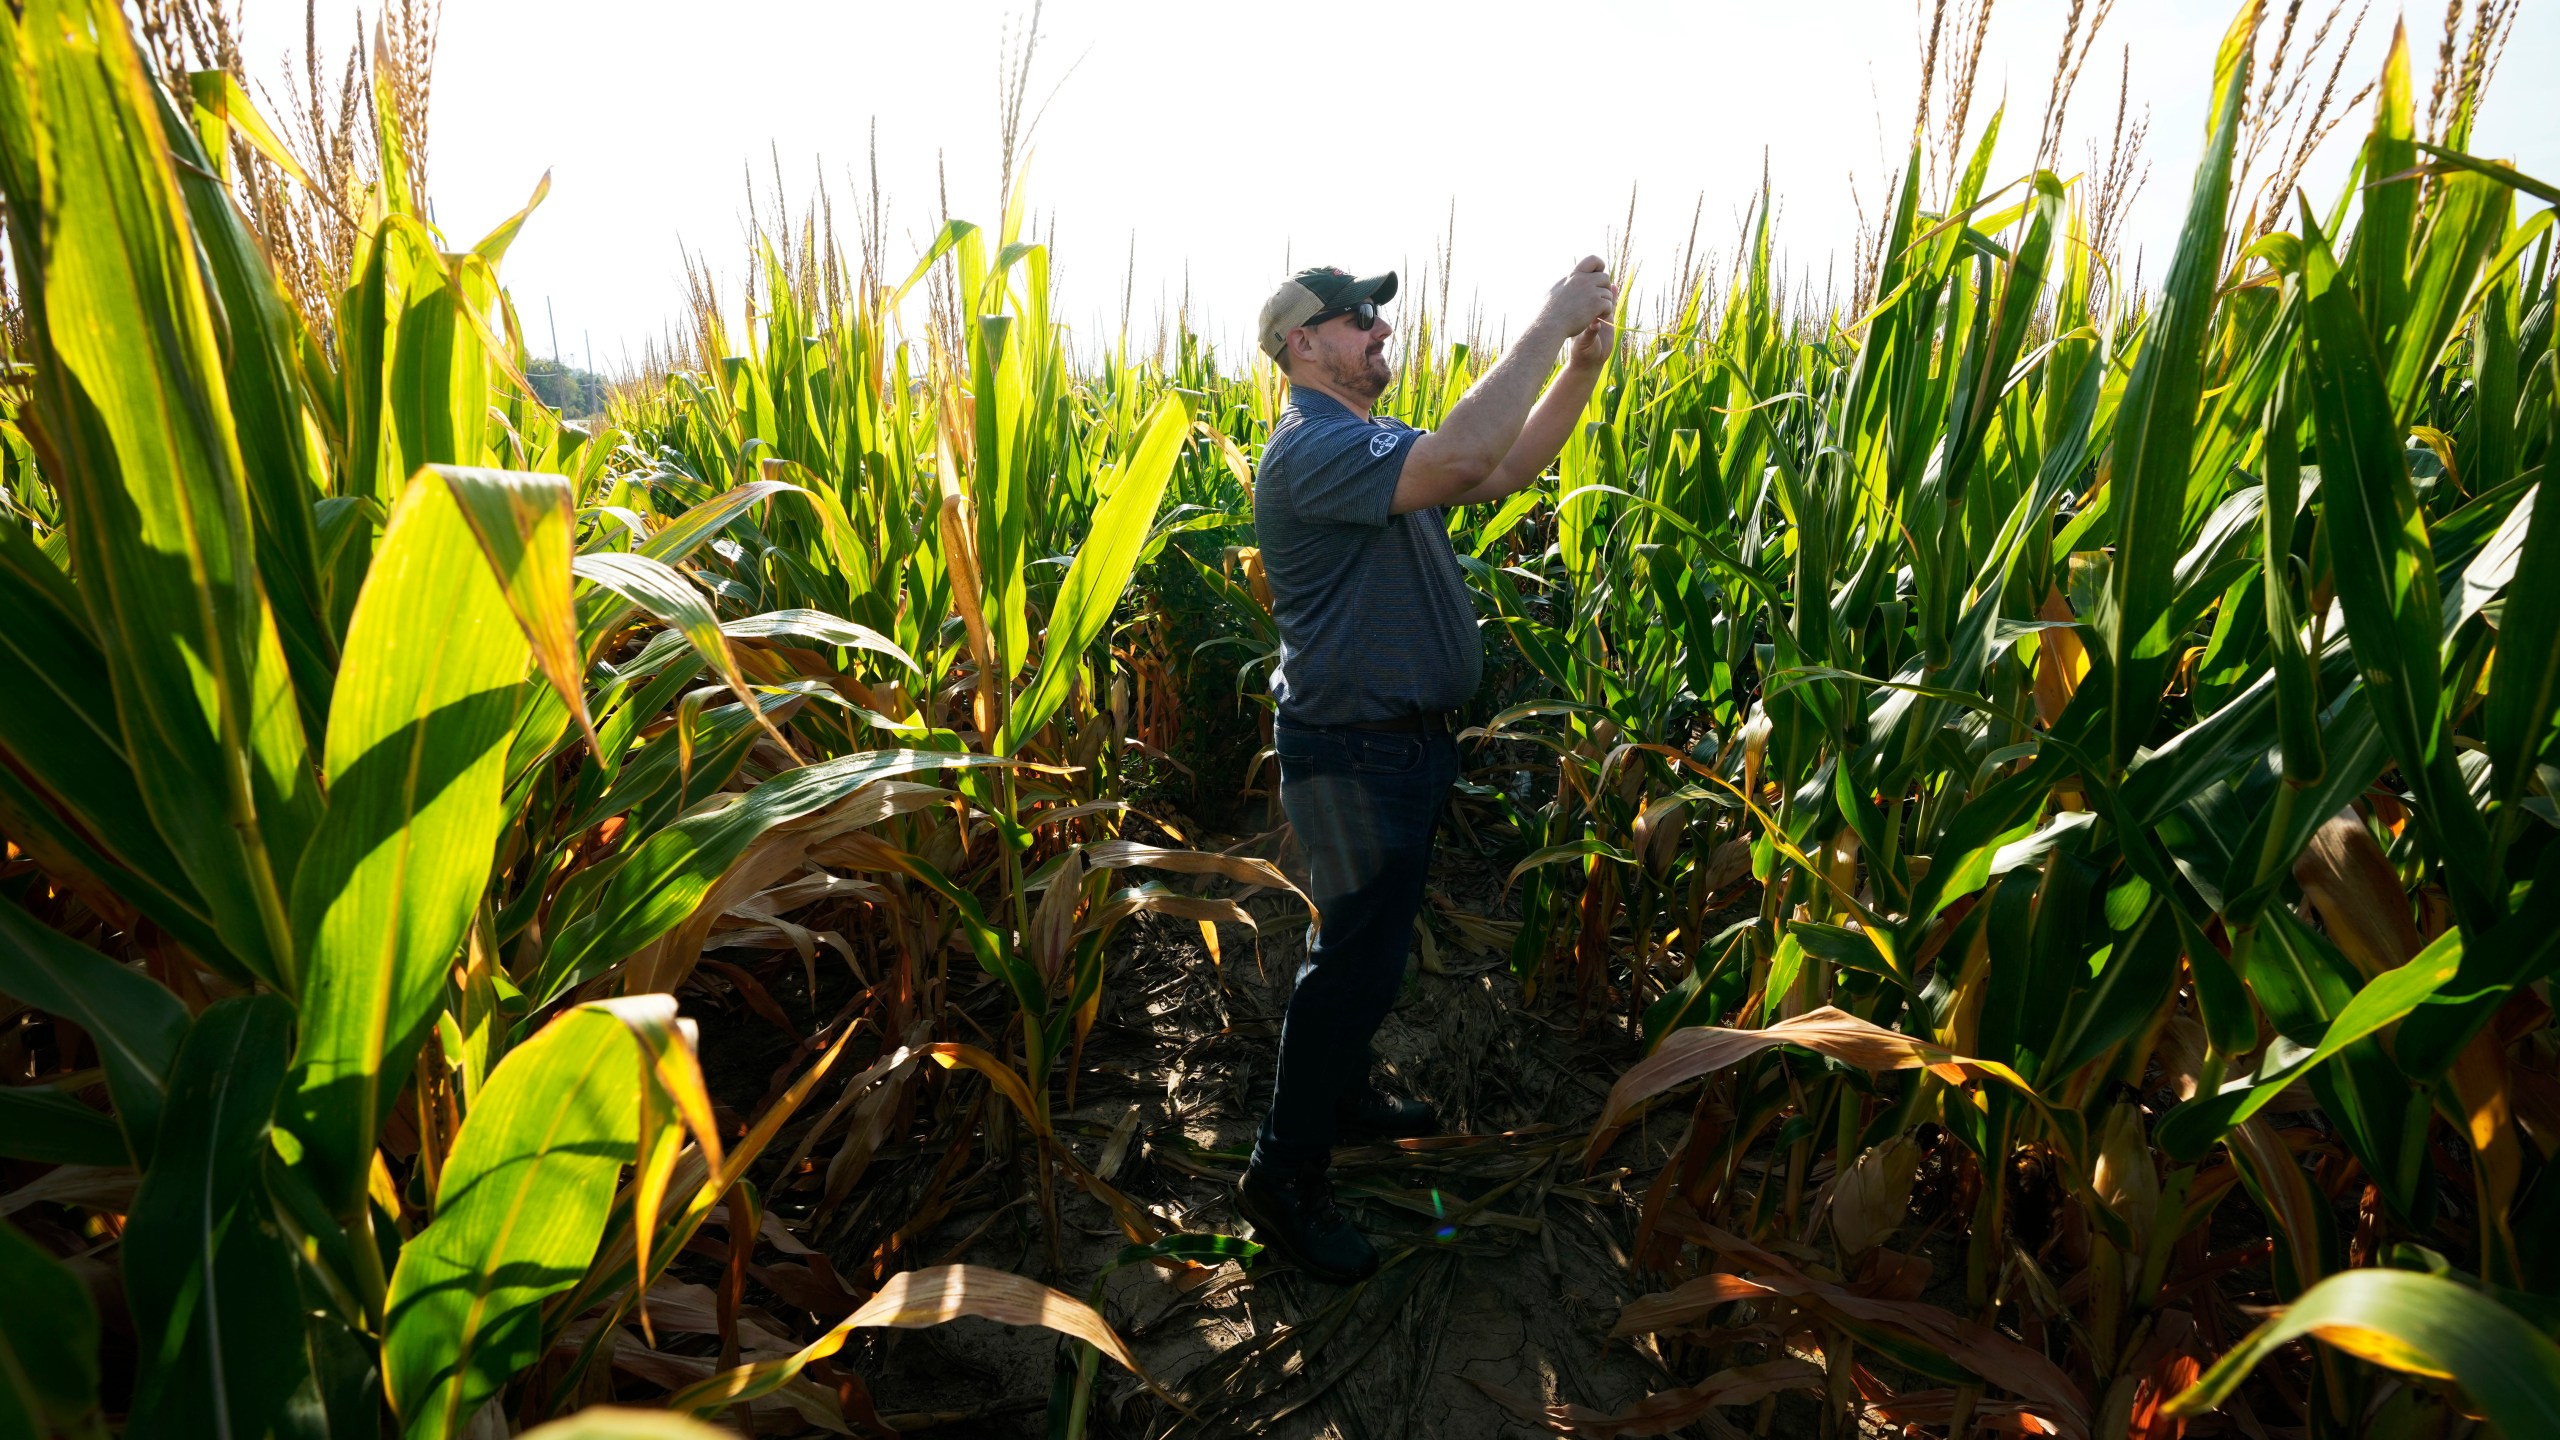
{"x": 1310, "y": 293}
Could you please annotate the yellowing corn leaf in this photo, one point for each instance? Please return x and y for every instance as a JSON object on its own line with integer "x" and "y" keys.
{"x": 1657, "y": 835}
{"x": 1868, "y": 1205}
{"x": 1053, "y": 924}
{"x": 1133, "y": 1218}
{"x": 1165, "y": 902}
{"x": 2061, "y": 660}
{"x": 1687, "y": 1054}
{"x": 816, "y": 1406}
{"x": 1728, "y": 864}
{"x": 525, "y": 526}
{"x": 1117, "y": 854}
{"x": 2345, "y": 875}
{"x": 1986, "y": 1352}
{"x": 913, "y": 1300}
{"x": 618, "y": 1422}
{"x": 2124, "y": 1177}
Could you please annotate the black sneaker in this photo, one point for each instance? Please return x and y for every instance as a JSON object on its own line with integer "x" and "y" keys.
{"x": 1372, "y": 1114}
{"x": 1296, "y": 1214}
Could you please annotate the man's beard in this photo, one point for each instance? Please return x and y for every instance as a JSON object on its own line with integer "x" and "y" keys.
{"x": 1367, "y": 377}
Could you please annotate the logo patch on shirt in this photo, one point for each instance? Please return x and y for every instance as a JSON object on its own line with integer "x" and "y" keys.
{"x": 1381, "y": 443}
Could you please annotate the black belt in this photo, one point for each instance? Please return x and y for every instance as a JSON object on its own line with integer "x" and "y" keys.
{"x": 1430, "y": 722}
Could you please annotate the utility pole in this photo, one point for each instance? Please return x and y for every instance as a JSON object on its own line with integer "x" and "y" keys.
{"x": 555, "y": 326}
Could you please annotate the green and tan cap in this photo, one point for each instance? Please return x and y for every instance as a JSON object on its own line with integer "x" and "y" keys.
{"x": 1310, "y": 293}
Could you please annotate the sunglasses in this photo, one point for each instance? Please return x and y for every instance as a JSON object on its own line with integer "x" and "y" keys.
{"x": 1363, "y": 315}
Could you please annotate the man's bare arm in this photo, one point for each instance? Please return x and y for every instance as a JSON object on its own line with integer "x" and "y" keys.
{"x": 1549, "y": 427}
{"x": 1485, "y": 426}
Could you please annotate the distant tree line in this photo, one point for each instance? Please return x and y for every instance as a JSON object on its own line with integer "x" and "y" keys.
{"x": 566, "y": 388}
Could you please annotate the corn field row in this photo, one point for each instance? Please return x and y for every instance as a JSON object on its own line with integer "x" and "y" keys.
{"x": 2061, "y": 768}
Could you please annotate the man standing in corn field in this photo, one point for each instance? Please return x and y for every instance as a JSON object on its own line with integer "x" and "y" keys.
{"x": 1378, "y": 649}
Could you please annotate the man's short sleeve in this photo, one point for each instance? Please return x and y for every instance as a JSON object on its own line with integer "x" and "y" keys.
{"x": 1343, "y": 471}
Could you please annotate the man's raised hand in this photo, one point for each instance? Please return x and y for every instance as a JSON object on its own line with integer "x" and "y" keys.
{"x": 1592, "y": 344}
{"x": 1582, "y": 298}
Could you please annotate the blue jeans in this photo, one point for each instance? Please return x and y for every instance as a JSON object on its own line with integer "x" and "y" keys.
{"x": 1363, "y": 804}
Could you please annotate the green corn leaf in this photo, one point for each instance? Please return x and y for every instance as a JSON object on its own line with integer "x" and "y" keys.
{"x": 2526, "y": 694}
{"x": 1707, "y": 994}
{"x": 2011, "y": 972}
{"x": 38, "y": 1122}
{"x": 2417, "y": 1324}
{"x": 2140, "y": 972}
{"x": 2297, "y": 683}
{"x": 2508, "y": 175}
{"x": 1101, "y": 571}
{"x": 2525, "y": 948}
{"x": 668, "y": 875}
{"x": 661, "y": 591}
{"x": 2466, "y": 220}
{"x": 2192, "y": 1127}
{"x": 78, "y": 797}
{"x": 994, "y": 477}
{"x": 389, "y": 263}
{"x": 222, "y": 109}
{"x": 1972, "y": 836}
{"x": 131, "y": 388}
{"x": 2243, "y": 731}
{"x": 492, "y": 247}
{"x": 1993, "y": 374}
{"x": 418, "y": 730}
{"x": 2038, "y": 961}
{"x": 2262, "y": 859}
{"x": 2380, "y": 258}
{"x": 436, "y": 386}
{"x": 953, "y": 233}
{"x": 819, "y": 627}
{"x": 262, "y": 334}
{"x": 1190, "y": 1247}
{"x": 646, "y": 792}
{"x": 2230, "y": 1024}
{"x": 518, "y": 1214}
{"x": 2156, "y": 422}
{"x": 235, "y": 1389}
{"x": 687, "y": 532}
{"x": 2384, "y": 571}
{"x": 1584, "y": 849}
{"x": 216, "y": 1355}
{"x": 136, "y": 1025}
{"x": 48, "y": 1346}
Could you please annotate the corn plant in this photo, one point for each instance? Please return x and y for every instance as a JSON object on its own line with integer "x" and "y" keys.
{"x": 2127, "y": 718}
{"x": 390, "y": 752}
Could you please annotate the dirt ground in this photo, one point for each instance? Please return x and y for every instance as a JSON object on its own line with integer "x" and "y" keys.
{"x": 1502, "y": 1255}
{"x": 1518, "y": 1294}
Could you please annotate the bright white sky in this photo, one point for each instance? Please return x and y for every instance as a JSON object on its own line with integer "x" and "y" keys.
{"x": 1224, "y": 139}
